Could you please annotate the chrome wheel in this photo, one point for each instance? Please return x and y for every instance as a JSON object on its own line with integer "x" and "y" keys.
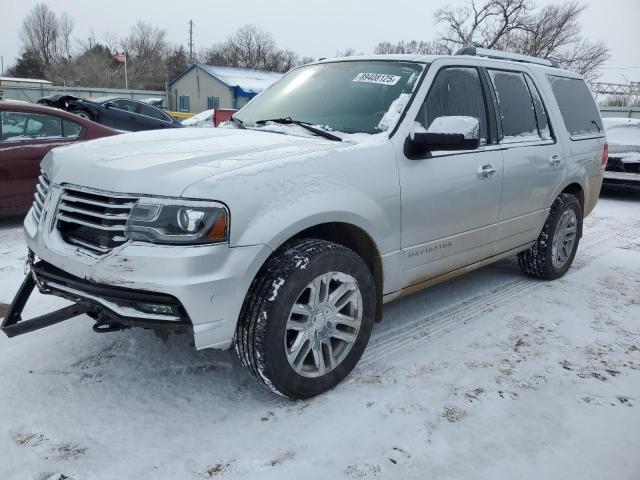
{"x": 82, "y": 114}
{"x": 323, "y": 324}
{"x": 564, "y": 239}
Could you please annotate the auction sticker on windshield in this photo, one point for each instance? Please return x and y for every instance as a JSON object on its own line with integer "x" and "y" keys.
{"x": 381, "y": 78}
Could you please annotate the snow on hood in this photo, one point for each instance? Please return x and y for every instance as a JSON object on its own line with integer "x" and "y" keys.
{"x": 166, "y": 162}
{"x": 623, "y": 134}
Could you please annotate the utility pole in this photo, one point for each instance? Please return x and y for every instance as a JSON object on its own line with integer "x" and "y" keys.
{"x": 2, "y": 66}
{"x": 191, "y": 42}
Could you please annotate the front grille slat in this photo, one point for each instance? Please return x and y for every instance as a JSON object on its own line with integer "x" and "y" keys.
{"x": 98, "y": 226}
{"x": 91, "y": 213}
{"x": 93, "y": 220}
{"x": 98, "y": 203}
{"x": 42, "y": 189}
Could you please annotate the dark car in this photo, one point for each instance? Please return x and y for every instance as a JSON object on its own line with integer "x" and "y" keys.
{"x": 623, "y": 168}
{"x": 27, "y": 133}
{"x": 120, "y": 113}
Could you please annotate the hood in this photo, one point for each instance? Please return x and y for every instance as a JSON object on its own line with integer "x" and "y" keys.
{"x": 166, "y": 162}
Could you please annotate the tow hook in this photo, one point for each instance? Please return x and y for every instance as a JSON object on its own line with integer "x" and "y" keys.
{"x": 102, "y": 327}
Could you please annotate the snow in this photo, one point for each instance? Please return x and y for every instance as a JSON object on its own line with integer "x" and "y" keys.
{"x": 251, "y": 81}
{"x": 202, "y": 119}
{"x": 623, "y": 136}
{"x": 469, "y": 126}
{"x": 390, "y": 119}
{"x": 489, "y": 376}
{"x": 23, "y": 80}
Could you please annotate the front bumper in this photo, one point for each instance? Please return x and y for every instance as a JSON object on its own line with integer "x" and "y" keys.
{"x": 208, "y": 282}
{"x": 622, "y": 178}
{"x": 108, "y": 305}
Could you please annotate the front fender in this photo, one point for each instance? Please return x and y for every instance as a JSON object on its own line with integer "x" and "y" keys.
{"x": 273, "y": 201}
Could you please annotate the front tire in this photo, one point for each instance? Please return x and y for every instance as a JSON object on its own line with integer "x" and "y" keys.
{"x": 307, "y": 318}
{"x": 555, "y": 249}
{"x": 82, "y": 114}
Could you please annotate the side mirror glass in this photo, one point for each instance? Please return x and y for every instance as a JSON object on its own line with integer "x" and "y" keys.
{"x": 445, "y": 133}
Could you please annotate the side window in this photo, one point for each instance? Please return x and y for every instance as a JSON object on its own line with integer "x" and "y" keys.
{"x": 516, "y": 106}
{"x": 126, "y": 105}
{"x": 149, "y": 111}
{"x": 13, "y": 126}
{"x": 544, "y": 130}
{"x": 71, "y": 129}
{"x": 577, "y": 107}
{"x": 19, "y": 126}
{"x": 213, "y": 103}
{"x": 184, "y": 103}
{"x": 456, "y": 91}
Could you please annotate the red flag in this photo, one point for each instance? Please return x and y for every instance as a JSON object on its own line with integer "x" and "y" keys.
{"x": 119, "y": 57}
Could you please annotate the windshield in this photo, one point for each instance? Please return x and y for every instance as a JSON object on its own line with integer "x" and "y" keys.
{"x": 350, "y": 97}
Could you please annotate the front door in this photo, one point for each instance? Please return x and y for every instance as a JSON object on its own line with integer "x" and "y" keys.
{"x": 121, "y": 115}
{"x": 451, "y": 200}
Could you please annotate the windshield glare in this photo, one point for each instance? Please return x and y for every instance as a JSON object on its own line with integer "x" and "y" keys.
{"x": 350, "y": 97}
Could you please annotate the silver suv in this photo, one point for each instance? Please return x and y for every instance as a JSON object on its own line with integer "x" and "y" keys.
{"x": 345, "y": 185}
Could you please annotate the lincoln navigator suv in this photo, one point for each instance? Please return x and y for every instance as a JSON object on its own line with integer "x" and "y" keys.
{"x": 349, "y": 183}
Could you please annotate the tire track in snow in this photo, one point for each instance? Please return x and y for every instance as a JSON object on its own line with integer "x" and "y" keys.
{"x": 408, "y": 335}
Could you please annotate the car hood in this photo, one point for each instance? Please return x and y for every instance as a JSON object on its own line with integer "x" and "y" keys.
{"x": 166, "y": 162}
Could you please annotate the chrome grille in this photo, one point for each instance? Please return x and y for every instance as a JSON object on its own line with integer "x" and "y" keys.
{"x": 42, "y": 189}
{"x": 93, "y": 220}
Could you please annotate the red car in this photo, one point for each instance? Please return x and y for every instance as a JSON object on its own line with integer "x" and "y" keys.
{"x": 27, "y": 133}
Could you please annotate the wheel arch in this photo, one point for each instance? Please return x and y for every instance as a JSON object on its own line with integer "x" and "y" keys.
{"x": 577, "y": 191}
{"x": 349, "y": 235}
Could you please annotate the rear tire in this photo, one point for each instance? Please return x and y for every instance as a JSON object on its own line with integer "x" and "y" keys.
{"x": 297, "y": 343}
{"x": 555, "y": 249}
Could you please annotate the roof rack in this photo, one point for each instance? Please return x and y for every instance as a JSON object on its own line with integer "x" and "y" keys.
{"x": 500, "y": 55}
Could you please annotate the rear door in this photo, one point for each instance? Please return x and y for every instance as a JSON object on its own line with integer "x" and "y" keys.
{"x": 152, "y": 118}
{"x": 25, "y": 139}
{"x": 534, "y": 165}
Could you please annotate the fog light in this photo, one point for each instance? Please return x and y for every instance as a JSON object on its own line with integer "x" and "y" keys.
{"x": 155, "y": 308}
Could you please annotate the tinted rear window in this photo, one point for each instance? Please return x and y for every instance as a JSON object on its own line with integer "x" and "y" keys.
{"x": 577, "y": 106}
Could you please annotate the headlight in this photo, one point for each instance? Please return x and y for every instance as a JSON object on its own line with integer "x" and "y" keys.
{"x": 178, "y": 222}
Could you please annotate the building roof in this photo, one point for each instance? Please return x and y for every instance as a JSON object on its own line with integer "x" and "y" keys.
{"x": 23, "y": 80}
{"x": 249, "y": 81}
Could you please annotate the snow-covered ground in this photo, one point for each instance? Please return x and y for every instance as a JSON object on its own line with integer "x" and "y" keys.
{"x": 492, "y": 375}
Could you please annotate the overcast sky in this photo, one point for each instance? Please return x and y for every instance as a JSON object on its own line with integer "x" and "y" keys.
{"x": 311, "y": 27}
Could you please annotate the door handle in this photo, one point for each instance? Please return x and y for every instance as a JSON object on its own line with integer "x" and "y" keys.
{"x": 555, "y": 160}
{"x": 486, "y": 171}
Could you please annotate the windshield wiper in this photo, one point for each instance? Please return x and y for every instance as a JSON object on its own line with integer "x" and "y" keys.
{"x": 306, "y": 125}
{"x": 237, "y": 122}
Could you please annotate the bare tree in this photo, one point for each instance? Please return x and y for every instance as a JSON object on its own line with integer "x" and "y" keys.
{"x": 66, "y": 24}
{"x": 251, "y": 47}
{"x": 417, "y": 47}
{"x": 551, "y": 32}
{"x": 39, "y": 33}
{"x": 482, "y": 23}
{"x": 347, "y": 52}
{"x": 146, "y": 47}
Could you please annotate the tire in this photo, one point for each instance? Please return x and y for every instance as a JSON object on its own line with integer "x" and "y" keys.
{"x": 82, "y": 114}
{"x": 543, "y": 260}
{"x": 265, "y": 340}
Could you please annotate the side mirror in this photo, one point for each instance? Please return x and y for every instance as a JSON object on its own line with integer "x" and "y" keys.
{"x": 108, "y": 105}
{"x": 444, "y": 133}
